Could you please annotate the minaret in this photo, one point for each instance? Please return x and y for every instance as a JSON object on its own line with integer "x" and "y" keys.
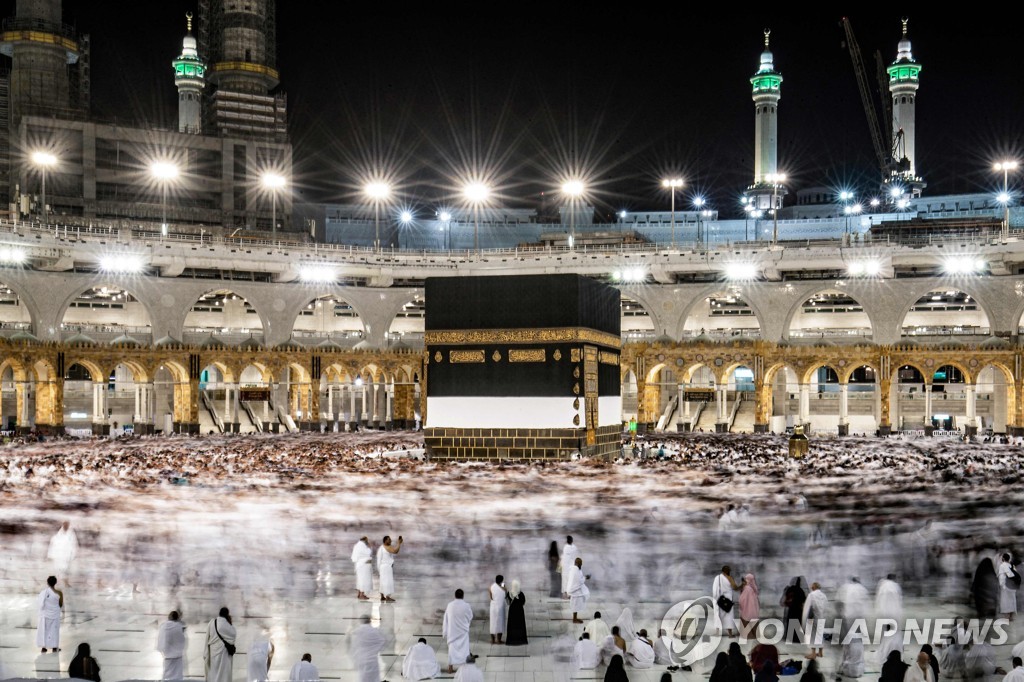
{"x": 190, "y": 77}
{"x": 903, "y": 84}
{"x": 767, "y": 91}
{"x": 766, "y": 193}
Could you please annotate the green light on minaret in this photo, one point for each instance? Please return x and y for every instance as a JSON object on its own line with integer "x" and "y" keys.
{"x": 188, "y": 66}
{"x": 904, "y": 72}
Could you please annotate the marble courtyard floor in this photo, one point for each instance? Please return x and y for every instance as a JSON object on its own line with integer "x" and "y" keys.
{"x": 265, "y": 526}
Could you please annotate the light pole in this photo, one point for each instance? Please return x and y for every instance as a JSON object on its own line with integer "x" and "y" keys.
{"x": 573, "y": 189}
{"x": 476, "y": 193}
{"x": 698, "y": 202}
{"x": 446, "y": 218}
{"x": 378, "y": 192}
{"x": 164, "y": 172}
{"x": 273, "y": 182}
{"x": 672, "y": 184}
{"x": 1004, "y": 198}
{"x": 845, "y": 198}
{"x": 405, "y": 217}
{"x": 44, "y": 160}
{"x": 776, "y": 179}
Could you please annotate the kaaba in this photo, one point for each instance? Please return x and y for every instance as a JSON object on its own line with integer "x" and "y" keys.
{"x": 521, "y": 367}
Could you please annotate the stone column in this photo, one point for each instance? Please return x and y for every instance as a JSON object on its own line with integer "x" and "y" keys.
{"x": 883, "y": 391}
{"x": 137, "y": 412}
{"x": 353, "y": 416}
{"x": 389, "y": 416}
{"x": 805, "y": 405}
{"x": 236, "y": 393}
{"x": 374, "y": 412}
{"x": 894, "y": 405}
{"x": 844, "y": 409}
{"x": 971, "y": 427}
{"x": 330, "y": 408}
{"x": 100, "y": 427}
{"x": 22, "y": 422}
{"x": 928, "y": 428}
{"x": 364, "y": 413}
{"x": 721, "y": 400}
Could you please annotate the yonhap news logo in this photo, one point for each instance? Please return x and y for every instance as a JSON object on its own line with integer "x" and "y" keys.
{"x": 695, "y": 630}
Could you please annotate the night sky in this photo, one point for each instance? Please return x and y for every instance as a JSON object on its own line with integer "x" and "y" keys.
{"x": 627, "y": 96}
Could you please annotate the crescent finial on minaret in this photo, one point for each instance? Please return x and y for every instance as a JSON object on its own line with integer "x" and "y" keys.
{"x": 767, "y": 34}
{"x": 188, "y": 21}
{"x": 905, "y": 20}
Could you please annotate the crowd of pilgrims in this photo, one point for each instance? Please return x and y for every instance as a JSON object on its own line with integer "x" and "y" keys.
{"x": 140, "y": 461}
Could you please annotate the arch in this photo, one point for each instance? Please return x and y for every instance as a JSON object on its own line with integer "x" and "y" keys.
{"x": 846, "y": 376}
{"x": 328, "y": 316}
{"x": 720, "y": 312}
{"x": 829, "y": 313}
{"x": 221, "y": 368}
{"x": 15, "y": 315}
{"x": 967, "y": 376}
{"x": 636, "y": 320}
{"x": 253, "y": 375}
{"x": 998, "y": 419}
{"x": 808, "y": 375}
{"x": 408, "y": 325}
{"x": 105, "y": 311}
{"x": 945, "y": 311}
{"x": 694, "y": 373}
{"x": 226, "y": 315}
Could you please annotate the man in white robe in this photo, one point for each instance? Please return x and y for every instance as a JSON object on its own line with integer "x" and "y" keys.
{"x": 50, "y": 603}
{"x": 362, "y": 561}
{"x": 724, "y": 587}
{"x": 170, "y": 642}
{"x": 1007, "y": 593}
{"x": 364, "y": 646}
{"x": 891, "y": 640}
{"x": 469, "y": 672}
{"x": 612, "y": 646}
{"x": 421, "y": 662}
{"x": 640, "y": 653}
{"x": 597, "y": 629}
{"x": 852, "y": 664}
{"x": 62, "y": 551}
{"x": 304, "y": 670}
{"x": 852, "y": 603}
{"x": 566, "y": 563}
{"x": 386, "y": 567}
{"x": 889, "y": 600}
{"x": 458, "y": 616}
{"x": 662, "y": 649}
{"x": 259, "y": 658}
{"x": 814, "y": 617}
{"x": 586, "y": 655}
{"x": 217, "y": 660}
{"x": 496, "y": 596}
{"x": 578, "y": 591}
{"x": 920, "y": 670}
{"x": 1017, "y": 674}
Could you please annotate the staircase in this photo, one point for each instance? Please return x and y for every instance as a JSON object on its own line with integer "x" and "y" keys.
{"x": 666, "y": 423}
{"x": 708, "y": 418}
{"x": 744, "y": 421}
{"x": 209, "y": 420}
{"x": 249, "y": 423}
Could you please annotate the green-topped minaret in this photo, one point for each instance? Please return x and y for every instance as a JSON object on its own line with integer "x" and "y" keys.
{"x": 190, "y": 77}
{"x": 904, "y": 80}
{"x": 766, "y": 193}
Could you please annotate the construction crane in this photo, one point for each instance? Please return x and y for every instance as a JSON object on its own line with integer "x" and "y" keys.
{"x": 884, "y": 153}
